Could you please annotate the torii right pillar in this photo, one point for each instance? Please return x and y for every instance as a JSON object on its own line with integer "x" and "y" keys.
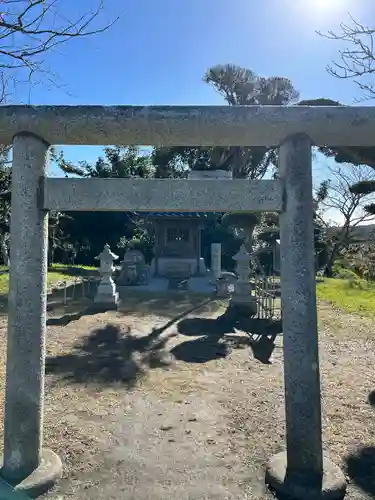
{"x": 301, "y": 473}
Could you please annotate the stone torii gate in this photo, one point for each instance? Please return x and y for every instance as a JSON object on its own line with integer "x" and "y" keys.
{"x": 301, "y": 471}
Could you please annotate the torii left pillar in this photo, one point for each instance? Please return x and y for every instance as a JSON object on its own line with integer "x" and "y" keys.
{"x": 26, "y": 464}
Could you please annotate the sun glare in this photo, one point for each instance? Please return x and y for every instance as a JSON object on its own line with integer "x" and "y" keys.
{"x": 326, "y": 5}
{"x": 323, "y": 12}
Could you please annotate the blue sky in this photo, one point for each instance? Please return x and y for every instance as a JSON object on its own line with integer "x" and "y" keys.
{"x": 158, "y": 51}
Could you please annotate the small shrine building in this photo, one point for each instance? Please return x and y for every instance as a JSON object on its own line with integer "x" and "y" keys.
{"x": 178, "y": 244}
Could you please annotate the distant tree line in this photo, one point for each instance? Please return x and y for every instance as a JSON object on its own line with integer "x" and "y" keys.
{"x": 78, "y": 237}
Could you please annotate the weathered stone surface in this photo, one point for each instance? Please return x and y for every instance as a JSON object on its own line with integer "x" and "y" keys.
{"x": 8, "y": 492}
{"x": 106, "y": 292}
{"x": 133, "y": 269}
{"x": 301, "y": 357}
{"x": 190, "y": 125}
{"x": 43, "y": 478}
{"x": 27, "y": 311}
{"x": 330, "y": 486}
{"x": 162, "y": 195}
{"x": 242, "y": 302}
{"x": 210, "y": 174}
{"x": 215, "y": 260}
{"x": 298, "y": 295}
{"x": 225, "y": 284}
{"x": 23, "y": 456}
{"x": 175, "y": 267}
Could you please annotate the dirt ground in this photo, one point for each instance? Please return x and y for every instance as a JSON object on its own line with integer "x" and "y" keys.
{"x": 154, "y": 403}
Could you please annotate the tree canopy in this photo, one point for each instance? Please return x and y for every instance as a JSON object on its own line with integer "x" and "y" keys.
{"x": 238, "y": 86}
{"x": 350, "y": 154}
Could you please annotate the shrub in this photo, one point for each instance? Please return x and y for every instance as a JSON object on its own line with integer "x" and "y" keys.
{"x": 346, "y": 274}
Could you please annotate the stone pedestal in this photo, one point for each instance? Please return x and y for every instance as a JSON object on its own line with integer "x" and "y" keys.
{"x": 330, "y": 485}
{"x": 215, "y": 260}
{"x": 242, "y": 302}
{"x": 106, "y": 294}
{"x": 188, "y": 265}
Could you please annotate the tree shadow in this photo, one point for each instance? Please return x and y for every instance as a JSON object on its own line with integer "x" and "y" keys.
{"x": 111, "y": 355}
{"x": 218, "y": 336}
{"x": 167, "y": 304}
{"x": 68, "y": 318}
{"x": 201, "y": 350}
{"x": 93, "y": 309}
{"x": 360, "y": 467}
{"x": 3, "y": 304}
{"x": 257, "y": 328}
{"x": 262, "y": 349}
{"x": 9, "y": 492}
{"x": 371, "y": 398}
{"x": 196, "y": 327}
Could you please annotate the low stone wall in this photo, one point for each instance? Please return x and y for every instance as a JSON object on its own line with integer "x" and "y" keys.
{"x": 73, "y": 289}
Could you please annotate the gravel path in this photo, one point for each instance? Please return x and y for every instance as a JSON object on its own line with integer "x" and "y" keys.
{"x": 141, "y": 412}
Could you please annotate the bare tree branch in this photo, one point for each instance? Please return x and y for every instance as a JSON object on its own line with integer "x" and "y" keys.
{"x": 350, "y": 206}
{"x": 31, "y": 28}
{"x": 357, "y": 60}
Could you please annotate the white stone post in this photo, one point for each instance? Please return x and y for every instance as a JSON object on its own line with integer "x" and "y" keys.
{"x": 301, "y": 472}
{"x": 25, "y": 462}
{"x": 209, "y": 175}
{"x": 215, "y": 260}
{"x": 106, "y": 293}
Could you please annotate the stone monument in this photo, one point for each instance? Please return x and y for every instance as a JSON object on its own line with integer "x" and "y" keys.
{"x": 215, "y": 260}
{"x": 106, "y": 293}
{"x": 133, "y": 269}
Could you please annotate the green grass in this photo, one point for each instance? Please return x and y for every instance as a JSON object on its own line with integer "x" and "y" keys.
{"x": 58, "y": 272}
{"x": 52, "y": 278}
{"x": 67, "y": 266}
{"x": 354, "y": 296}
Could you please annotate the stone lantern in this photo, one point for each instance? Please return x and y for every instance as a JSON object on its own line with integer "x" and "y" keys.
{"x": 243, "y": 303}
{"x": 106, "y": 292}
{"x": 244, "y": 221}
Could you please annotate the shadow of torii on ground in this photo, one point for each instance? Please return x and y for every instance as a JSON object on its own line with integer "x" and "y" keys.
{"x": 218, "y": 336}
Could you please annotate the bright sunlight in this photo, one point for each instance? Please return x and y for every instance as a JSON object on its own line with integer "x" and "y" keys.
{"x": 328, "y": 5}
{"x": 323, "y": 11}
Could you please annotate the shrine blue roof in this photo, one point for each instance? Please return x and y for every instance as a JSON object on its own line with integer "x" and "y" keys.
{"x": 200, "y": 215}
